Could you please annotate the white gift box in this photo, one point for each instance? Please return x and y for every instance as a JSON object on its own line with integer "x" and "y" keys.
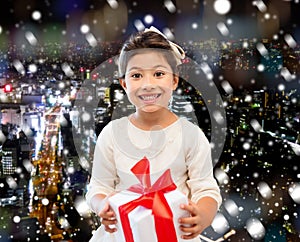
{"x": 141, "y": 219}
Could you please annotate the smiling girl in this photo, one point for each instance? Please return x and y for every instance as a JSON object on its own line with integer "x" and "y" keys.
{"x": 148, "y": 73}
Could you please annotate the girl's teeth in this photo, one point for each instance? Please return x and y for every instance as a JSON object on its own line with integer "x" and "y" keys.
{"x": 147, "y": 98}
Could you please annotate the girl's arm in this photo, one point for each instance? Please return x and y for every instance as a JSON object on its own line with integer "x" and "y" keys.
{"x": 205, "y": 193}
{"x": 103, "y": 175}
{"x": 201, "y": 179}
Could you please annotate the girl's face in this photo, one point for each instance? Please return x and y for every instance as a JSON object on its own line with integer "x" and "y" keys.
{"x": 149, "y": 81}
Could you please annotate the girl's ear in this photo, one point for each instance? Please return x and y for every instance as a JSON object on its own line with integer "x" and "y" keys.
{"x": 175, "y": 82}
{"x": 123, "y": 83}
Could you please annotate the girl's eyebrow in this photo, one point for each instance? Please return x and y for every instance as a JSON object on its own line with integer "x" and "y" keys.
{"x": 141, "y": 68}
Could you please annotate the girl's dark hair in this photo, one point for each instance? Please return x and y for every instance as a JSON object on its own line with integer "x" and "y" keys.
{"x": 145, "y": 41}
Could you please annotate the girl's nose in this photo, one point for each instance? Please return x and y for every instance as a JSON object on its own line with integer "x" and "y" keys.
{"x": 148, "y": 82}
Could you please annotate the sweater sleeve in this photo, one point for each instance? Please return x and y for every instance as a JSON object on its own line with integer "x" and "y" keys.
{"x": 201, "y": 180}
{"x": 104, "y": 175}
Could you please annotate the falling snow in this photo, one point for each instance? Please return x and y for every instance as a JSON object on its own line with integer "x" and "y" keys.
{"x": 246, "y": 59}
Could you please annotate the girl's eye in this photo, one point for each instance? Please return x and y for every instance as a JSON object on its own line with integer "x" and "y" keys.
{"x": 136, "y": 75}
{"x": 159, "y": 73}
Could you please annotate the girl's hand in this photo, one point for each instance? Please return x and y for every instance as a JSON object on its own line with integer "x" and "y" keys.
{"x": 108, "y": 218}
{"x": 202, "y": 215}
{"x": 191, "y": 226}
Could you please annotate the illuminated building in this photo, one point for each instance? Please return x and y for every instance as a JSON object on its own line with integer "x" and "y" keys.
{"x": 9, "y": 158}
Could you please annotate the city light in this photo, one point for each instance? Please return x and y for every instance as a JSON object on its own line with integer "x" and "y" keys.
{"x": 8, "y": 88}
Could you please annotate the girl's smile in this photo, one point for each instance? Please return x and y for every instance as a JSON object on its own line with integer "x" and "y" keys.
{"x": 149, "y": 98}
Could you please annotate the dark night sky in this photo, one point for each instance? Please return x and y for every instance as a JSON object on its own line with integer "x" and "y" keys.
{"x": 55, "y": 11}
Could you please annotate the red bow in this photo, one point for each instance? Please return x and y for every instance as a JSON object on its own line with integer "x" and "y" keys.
{"x": 152, "y": 198}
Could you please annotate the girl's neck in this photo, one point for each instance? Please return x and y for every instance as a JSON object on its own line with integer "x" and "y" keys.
{"x": 154, "y": 120}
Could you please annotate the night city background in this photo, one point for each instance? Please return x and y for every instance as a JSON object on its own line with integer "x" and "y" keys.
{"x": 58, "y": 89}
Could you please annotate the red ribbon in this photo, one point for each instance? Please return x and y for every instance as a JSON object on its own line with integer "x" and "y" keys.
{"x": 152, "y": 198}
